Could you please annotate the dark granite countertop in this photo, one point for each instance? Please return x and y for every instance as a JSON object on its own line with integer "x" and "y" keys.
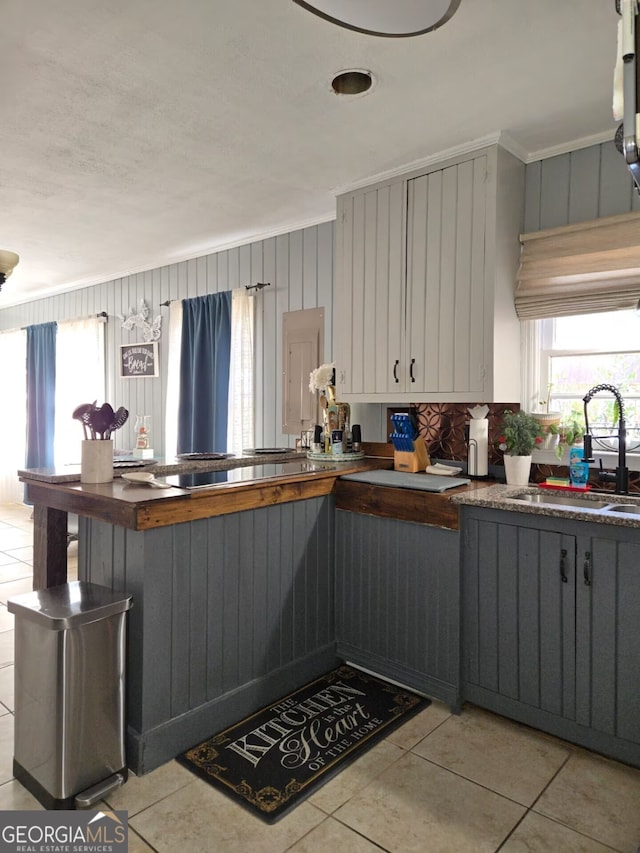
{"x": 502, "y": 497}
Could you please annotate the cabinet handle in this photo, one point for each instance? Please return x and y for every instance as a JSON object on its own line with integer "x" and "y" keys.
{"x": 587, "y": 567}
{"x": 563, "y": 568}
{"x": 413, "y": 378}
{"x": 395, "y": 368}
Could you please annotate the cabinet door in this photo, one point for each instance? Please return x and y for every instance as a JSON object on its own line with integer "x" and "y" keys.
{"x": 370, "y": 290}
{"x": 519, "y": 614}
{"x": 608, "y": 636}
{"x": 398, "y": 600}
{"x": 446, "y": 217}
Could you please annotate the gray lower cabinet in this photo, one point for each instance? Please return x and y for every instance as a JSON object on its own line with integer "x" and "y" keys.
{"x": 398, "y": 601}
{"x": 229, "y": 613}
{"x": 551, "y": 616}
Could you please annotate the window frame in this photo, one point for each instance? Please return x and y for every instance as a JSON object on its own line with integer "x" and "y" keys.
{"x": 542, "y": 370}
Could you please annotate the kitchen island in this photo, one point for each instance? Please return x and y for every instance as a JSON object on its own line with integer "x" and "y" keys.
{"x": 233, "y": 589}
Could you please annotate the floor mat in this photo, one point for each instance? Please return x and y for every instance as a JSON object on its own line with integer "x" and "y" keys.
{"x": 274, "y": 759}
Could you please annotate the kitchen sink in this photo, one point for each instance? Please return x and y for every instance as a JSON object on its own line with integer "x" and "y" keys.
{"x": 630, "y": 509}
{"x": 561, "y": 500}
{"x": 576, "y": 502}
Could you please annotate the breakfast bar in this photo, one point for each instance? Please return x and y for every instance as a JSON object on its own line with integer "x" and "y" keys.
{"x": 232, "y": 585}
{"x": 246, "y": 588}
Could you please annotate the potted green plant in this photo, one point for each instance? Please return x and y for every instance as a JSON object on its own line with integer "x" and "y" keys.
{"x": 549, "y": 421}
{"x": 521, "y": 432}
{"x": 570, "y": 432}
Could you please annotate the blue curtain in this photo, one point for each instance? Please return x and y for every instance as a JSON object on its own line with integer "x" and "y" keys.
{"x": 41, "y": 390}
{"x": 205, "y": 357}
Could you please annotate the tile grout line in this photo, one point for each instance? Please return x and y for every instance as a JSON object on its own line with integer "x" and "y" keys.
{"x": 474, "y": 782}
{"x": 531, "y": 809}
{"x": 337, "y": 820}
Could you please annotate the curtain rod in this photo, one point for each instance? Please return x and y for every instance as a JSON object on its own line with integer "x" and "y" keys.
{"x": 101, "y": 315}
{"x": 259, "y": 286}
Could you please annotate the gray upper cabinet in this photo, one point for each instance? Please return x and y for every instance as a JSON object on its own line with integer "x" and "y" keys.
{"x": 425, "y": 274}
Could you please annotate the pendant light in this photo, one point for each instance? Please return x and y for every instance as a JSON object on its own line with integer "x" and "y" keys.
{"x": 390, "y": 18}
{"x": 8, "y": 260}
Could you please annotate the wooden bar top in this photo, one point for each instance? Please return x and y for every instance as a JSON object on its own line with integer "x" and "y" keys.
{"x": 141, "y": 507}
{"x": 435, "y": 508}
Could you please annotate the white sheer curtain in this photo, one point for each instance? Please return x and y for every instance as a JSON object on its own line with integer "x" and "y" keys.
{"x": 173, "y": 380}
{"x": 80, "y": 378}
{"x": 241, "y": 414}
{"x": 13, "y": 424}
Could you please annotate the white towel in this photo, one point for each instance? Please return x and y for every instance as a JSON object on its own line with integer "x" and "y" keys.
{"x": 442, "y": 470}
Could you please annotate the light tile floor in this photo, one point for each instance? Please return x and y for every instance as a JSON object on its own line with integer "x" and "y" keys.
{"x": 439, "y": 784}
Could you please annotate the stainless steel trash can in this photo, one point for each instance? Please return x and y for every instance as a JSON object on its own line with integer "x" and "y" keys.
{"x": 69, "y": 692}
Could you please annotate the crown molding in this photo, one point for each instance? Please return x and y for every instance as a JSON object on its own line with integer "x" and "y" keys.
{"x": 511, "y": 145}
{"x": 502, "y": 138}
{"x": 568, "y": 147}
{"x": 438, "y": 157}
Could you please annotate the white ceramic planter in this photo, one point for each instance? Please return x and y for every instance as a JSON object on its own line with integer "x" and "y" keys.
{"x": 96, "y": 461}
{"x": 517, "y": 470}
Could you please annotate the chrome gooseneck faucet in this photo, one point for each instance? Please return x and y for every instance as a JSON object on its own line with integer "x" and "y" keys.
{"x": 621, "y": 475}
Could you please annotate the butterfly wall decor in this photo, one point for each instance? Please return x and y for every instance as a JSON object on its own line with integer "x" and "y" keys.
{"x": 150, "y": 329}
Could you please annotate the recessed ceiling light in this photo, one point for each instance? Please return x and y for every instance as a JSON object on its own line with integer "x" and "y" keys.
{"x": 352, "y": 81}
{"x": 391, "y": 18}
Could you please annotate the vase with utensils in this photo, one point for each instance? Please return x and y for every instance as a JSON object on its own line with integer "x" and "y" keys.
{"x": 98, "y": 424}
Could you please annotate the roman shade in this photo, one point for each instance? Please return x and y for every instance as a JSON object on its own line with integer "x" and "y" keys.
{"x": 583, "y": 268}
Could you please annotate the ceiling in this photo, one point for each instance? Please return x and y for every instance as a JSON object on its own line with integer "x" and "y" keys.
{"x": 136, "y": 133}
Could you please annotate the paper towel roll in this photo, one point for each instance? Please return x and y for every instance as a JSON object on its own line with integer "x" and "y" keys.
{"x": 478, "y": 451}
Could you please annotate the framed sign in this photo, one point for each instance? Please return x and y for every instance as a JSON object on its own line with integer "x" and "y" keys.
{"x": 138, "y": 360}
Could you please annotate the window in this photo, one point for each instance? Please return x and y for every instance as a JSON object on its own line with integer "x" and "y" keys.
{"x": 13, "y": 357}
{"x": 80, "y": 378}
{"x": 241, "y": 402}
{"x": 579, "y": 352}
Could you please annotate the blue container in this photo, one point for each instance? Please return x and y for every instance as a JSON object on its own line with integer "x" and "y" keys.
{"x": 578, "y": 468}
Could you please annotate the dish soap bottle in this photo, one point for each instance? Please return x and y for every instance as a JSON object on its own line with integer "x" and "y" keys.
{"x": 578, "y": 468}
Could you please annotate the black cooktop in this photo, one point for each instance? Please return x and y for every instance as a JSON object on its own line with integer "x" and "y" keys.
{"x": 210, "y": 479}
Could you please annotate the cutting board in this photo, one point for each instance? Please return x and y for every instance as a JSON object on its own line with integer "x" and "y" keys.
{"x": 400, "y": 480}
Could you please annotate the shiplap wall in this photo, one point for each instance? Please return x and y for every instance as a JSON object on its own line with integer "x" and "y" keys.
{"x": 573, "y": 187}
{"x": 586, "y": 184}
{"x": 299, "y": 266}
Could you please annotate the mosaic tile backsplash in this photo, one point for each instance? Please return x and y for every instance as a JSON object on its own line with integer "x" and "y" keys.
{"x": 442, "y": 425}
